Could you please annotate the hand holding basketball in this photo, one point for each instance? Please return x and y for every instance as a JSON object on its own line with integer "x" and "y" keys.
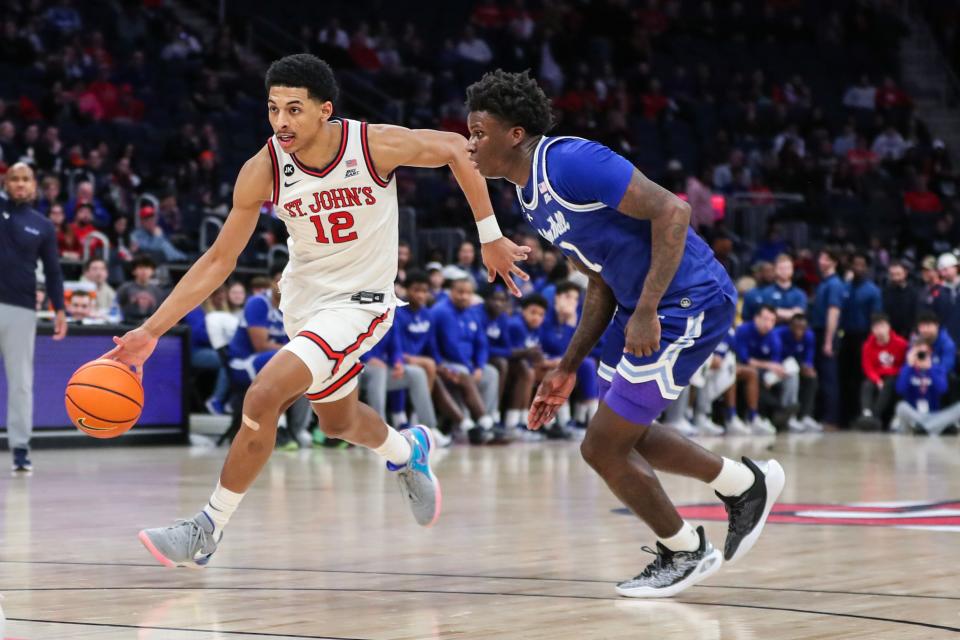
{"x": 133, "y": 348}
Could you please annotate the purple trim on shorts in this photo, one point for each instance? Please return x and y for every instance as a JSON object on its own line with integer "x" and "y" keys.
{"x": 637, "y": 403}
{"x": 602, "y": 386}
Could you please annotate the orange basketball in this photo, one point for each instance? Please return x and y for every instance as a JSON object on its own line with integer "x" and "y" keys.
{"x": 104, "y": 398}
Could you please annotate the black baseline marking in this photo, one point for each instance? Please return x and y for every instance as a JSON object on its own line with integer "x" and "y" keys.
{"x": 487, "y": 577}
{"x": 928, "y": 625}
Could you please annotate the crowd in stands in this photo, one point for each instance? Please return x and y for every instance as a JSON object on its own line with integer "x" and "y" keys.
{"x": 745, "y": 99}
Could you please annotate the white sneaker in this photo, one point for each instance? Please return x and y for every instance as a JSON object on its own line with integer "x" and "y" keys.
{"x": 443, "y": 440}
{"x": 812, "y": 425}
{"x": 706, "y": 426}
{"x": 761, "y": 426}
{"x": 736, "y": 426}
{"x": 795, "y": 425}
{"x": 683, "y": 427}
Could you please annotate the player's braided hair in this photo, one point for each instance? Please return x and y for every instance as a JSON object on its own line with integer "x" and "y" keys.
{"x": 306, "y": 71}
{"x": 514, "y": 98}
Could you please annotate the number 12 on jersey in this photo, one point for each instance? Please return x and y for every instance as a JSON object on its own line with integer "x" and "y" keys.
{"x": 340, "y": 222}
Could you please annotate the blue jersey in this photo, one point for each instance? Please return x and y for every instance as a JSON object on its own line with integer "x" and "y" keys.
{"x": 522, "y": 336}
{"x": 197, "y": 321}
{"x": 417, "y": 331}
{"x": 571, "y": 198}
{"x": 556, "y": 336}
{"x": 257, "y": 312}
{"x": 461, "y": 338}
{"x": 803, "y": 350}
{"x": 780, "y": 298}
{"x": 498, "y": 333}
{"x": 832, "y": 292}
{"x": 749, "y": 343}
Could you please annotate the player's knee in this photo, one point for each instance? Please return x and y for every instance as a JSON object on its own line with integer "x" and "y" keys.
{"x": 594, "y": 453}
{"x": 416, "y": 374}
{"x": 262, "y": 400}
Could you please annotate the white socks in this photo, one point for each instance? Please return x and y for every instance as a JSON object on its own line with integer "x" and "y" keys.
{"x": 486, "y": 422}
{"x": 395, "y": 448}
{"x": 734, "y": 478}
{"x": 687, "y": 539}
{"x": 513, "y": 418}
{"x": 221, "y": 506}
{"x": 563, "y": 414}
{"x": 584, "y": 411}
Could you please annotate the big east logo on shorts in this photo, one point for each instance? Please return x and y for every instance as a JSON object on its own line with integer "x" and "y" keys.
{"x": 930, "y": 516}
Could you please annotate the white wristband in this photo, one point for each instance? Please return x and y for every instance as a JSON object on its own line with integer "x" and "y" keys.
{"x": 488, "y": 229}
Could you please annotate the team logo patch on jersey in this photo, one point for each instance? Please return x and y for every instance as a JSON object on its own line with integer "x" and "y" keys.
{"x": 685, "y": 303}
{"x": 929, "y": 516}
{"x": 288, "y": 170}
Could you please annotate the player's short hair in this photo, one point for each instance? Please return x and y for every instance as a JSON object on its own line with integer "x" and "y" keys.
{"x": 514, "y": 98}
{"x": 798, "y": 317}
{"x": 143, "y": 260}
{"x": 765, "y": 307}
{"x": 256, "y": 282}
{"x": 927, "y": 316}
{"x": 783, "y": 257}
{"x": 416, "y": 277}
{"x": 877, "y": 317}
{"x": 866, "y": 257}
{"x": 566, "y": 286}
{"x": 307, "y": 71}
{"x": 534, "y": 299}
{"x": 80, "y": 293}
{"x": 276, "y": 268}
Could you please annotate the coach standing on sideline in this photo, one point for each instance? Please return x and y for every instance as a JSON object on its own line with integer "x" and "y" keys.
{"x": 25, "y": 235}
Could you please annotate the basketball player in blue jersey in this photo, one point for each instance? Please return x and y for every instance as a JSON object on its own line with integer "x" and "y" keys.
{"x": 669, "y": 301}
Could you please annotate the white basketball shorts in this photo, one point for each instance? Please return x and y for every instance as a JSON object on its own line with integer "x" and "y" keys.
{"x": 330, "y": 343}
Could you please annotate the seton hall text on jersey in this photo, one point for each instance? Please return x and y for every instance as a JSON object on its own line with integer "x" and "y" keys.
{"x": 558, "y": 227}
{"x": 339, "y": 198}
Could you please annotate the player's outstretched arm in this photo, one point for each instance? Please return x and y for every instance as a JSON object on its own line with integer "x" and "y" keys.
{"x": 599, "y": 306}
{"x": 253, "y": 187}
{"x": 669, "y": 218}
{"x": 393, "y": 147}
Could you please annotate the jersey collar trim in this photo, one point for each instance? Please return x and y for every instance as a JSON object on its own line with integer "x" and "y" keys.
{"x": 321, "y": 173}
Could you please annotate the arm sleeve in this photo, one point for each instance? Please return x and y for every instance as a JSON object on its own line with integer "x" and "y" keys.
{"x": 810, "y": 347}
{"x": 515, "y": 335}
{"x": 51, "y": 268}
{"x": 776, "y": 348}
{"x": 798, "y": 299}
{"x": 866, "y": 361}
{"x": 581, "y": 172}
{"x": 938, "y": 377}
{"x": 876, "y": 303}
{"x": 481, "y": 346}
{"x": 447, "y": 342}
{"x": 256, "y": 312}
{"x": 948, "y": 359}
{"x": 903, "y": 381}
{"x": 741, "y": 347}
{"x": 835, "y": 295}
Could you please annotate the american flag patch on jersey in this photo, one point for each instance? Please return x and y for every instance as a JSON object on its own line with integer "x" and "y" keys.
{"x": 351, "y": 163}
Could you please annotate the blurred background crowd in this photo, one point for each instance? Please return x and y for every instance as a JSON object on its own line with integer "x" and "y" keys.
{"x": 787, "y": 125}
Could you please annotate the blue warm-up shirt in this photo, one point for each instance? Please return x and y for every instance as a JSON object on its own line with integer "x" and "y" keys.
{"x": 803, "y": 350}
{"x": 748, "y": 343}
{"x": 25, "y": 235}
{"x": 789, "y": 298}
{"x": 498, "y": 333}
{"x": 571, "y": 197}
{"x": 832, "y": 292}
{"x": 416, "y": 330}
{"x": 522, "y": 336}
{"x": 461, "y": 338}
{"x": 914, "y": 385}
{"x": 863, "y": 300}
{"x": 257, "y": 312}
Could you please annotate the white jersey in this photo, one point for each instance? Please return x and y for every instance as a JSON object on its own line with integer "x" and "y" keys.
{"x": 343, "y": 226}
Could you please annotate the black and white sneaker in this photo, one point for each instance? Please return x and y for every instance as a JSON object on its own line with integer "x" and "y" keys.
{"x": 748, "y": 512}
{"x": 673, "y": 571}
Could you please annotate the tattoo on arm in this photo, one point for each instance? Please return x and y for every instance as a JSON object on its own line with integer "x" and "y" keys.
{"x": 669, "y": 218}
{"x": 598, "y": 308}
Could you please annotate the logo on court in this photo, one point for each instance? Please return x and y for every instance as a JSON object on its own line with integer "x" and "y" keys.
{"x": 929, "y": 516}
{"x": 288, "y": 170}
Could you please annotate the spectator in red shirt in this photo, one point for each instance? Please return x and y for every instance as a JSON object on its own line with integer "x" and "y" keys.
{"x": 82, "y": 226}
{"x": 361, "y": 50}
{"x": 653, "y": 101}
{"x": 920, "y": 199}
{"x": 487, "y": 15}
{"x": 862, "y": 158}
{"x": 890, "y": 96}
{"x": 883, "y": 354}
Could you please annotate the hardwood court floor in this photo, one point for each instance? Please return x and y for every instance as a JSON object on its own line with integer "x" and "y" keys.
{"x": 528, "y": 547}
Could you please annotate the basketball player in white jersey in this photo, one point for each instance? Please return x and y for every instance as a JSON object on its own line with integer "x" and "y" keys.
{"x": 331, "y": 180}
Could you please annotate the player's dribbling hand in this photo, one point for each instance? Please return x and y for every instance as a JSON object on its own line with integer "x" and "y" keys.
{"x": 643, "y": 333}
{"x": 500, "y": 258}
{"x": 556, "y": 387}
{"x": 133, "y": 348}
